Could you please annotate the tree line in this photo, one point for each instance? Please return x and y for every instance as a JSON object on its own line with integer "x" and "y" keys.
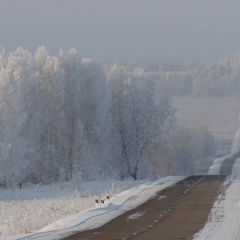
{"x": 175, "y": 78}
{"x": 64, "y": 116}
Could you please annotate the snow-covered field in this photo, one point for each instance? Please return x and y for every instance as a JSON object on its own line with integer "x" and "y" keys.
{"x": 218, "y": 114}
{"x": 215, "y": 168}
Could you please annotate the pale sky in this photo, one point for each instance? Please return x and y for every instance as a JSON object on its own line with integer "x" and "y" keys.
{"x": 200, "y": 31}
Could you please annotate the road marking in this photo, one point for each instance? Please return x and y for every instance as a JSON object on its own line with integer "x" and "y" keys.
{"x": 135, "y": 216}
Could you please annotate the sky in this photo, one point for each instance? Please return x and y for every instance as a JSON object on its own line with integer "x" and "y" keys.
{"x": 200, "y": 31}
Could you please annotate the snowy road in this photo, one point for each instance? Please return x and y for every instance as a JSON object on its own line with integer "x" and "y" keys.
{"x": 224, "y": 215}
{"x": 185, "y": 207}
{"x": 99, "y": 215}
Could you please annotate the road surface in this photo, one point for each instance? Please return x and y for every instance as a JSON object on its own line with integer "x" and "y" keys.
{"x": 177, "y": 212}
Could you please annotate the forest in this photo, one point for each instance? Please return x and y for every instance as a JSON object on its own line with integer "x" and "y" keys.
{"x": 67, "y": 116}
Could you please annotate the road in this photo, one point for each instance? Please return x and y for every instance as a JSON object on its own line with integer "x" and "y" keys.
{"x": 177, "y": 212}
{"x": 227, "y": 165}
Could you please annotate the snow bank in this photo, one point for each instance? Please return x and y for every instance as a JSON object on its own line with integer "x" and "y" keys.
{"x": 96, "y": 217}
{"x": 224, "y": 220}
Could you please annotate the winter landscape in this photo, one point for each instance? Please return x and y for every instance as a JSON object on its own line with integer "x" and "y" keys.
{"x": 222, "y": 224}
{"x": 103, "y": 104}
{"x": 61, "y": 198}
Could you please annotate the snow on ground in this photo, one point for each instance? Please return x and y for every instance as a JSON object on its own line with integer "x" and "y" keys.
{"x": 101, "y": 214}
{"x": 33, "y": 207}
{"x": 218, "y": 114}
{"x": 224, "y": 220}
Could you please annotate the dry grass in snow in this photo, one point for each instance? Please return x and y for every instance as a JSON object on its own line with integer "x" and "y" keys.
{"x": 29, "y": 209}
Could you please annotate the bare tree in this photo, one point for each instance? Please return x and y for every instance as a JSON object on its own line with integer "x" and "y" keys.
{"x": 137, "y": 118}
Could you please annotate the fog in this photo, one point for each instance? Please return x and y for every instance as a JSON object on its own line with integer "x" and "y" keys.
{"x": 65, "y": 116}
{"x": 136, "y": 30}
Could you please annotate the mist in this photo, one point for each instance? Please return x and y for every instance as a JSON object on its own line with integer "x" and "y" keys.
{"x": 137, "y": 30}
{"x": 65, "y": 116}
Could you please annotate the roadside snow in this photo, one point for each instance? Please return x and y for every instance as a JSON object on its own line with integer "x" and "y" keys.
{"x": 224, "y": 220}
{"x": 99, "y": 215}
{"x": 33, "y": 207}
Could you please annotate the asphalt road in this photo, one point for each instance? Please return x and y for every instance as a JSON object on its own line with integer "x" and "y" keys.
{"x": 177, "y": 212}
{"x": 227, "y": 165}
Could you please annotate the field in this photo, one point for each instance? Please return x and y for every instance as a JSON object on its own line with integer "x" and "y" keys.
{"x": 219, "y": 114}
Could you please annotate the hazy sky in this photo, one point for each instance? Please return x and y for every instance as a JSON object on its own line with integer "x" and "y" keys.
{"x": 201, "y": 31}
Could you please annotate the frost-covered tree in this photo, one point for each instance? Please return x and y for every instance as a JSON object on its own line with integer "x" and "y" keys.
{"x": 94, "y": 105}
{"x": 137, "y": 119}
{"x": 85, "y": 104}
{"x": 53, "y": 116}
{"x": 14, "y": 70}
